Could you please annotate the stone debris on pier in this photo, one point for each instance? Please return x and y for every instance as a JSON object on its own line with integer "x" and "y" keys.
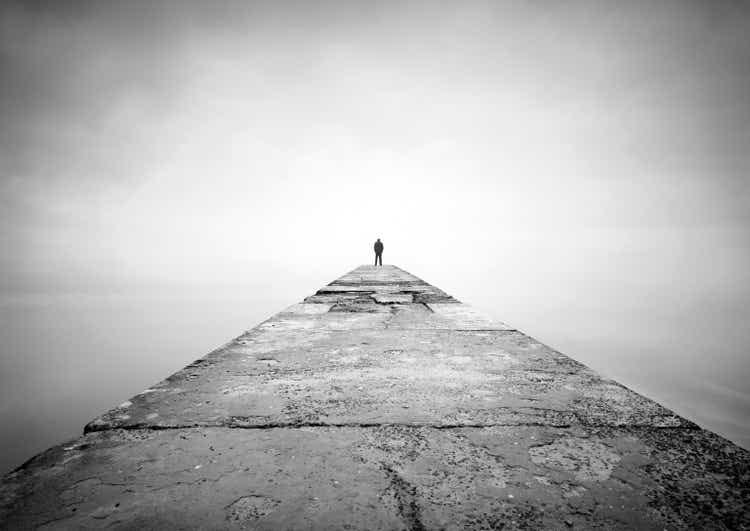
{"x": 381, "y": 402}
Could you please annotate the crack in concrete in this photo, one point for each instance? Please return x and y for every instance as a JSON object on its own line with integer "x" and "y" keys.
{"x": 400, "y": 329}
{"x": 303, "y": 425}
{"x": 406, "y": 497}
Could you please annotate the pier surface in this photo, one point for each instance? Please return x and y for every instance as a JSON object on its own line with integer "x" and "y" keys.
{"x": 381, "y": 402}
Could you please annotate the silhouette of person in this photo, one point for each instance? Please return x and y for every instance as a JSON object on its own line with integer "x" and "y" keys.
{"x": 378, "y": 252}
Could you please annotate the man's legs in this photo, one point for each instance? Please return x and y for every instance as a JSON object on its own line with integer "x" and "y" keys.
{"x": 379, "y": 258}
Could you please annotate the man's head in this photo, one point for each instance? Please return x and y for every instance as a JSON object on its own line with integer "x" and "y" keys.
{"x": 378, "y": 239}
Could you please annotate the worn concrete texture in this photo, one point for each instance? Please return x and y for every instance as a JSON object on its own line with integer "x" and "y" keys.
{"x": 381, "y": 402}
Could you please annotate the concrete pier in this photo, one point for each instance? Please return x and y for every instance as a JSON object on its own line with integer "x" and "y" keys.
{"x": 381, "y": 402}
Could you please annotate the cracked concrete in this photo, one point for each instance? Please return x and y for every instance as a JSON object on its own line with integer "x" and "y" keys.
{"x": 381, "y": 402}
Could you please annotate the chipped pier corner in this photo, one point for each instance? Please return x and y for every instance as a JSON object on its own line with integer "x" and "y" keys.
{"x": 382, "y": 402}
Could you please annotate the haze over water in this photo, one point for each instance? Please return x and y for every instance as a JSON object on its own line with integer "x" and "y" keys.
{"x": 171, "y": 174}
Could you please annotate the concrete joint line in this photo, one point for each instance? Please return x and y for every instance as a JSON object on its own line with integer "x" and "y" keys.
{"x": 302, "y": 425}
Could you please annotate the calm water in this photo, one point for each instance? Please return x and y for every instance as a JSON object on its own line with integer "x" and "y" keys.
{"x": 67, "y": 358}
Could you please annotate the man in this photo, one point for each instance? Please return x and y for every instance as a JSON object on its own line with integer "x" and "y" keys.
{"x": 378, "y": 252}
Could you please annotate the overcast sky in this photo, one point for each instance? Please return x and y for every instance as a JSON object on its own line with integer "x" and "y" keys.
{"x": 147, "y": 141}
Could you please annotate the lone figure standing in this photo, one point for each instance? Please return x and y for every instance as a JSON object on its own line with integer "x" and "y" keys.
{"x": 378, "y": 252}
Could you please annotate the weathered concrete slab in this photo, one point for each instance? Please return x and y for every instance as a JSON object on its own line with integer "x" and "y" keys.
{"x": 303, "y": 308}
{"x": 430, "y": 377}
{"x": 362, "y": 285}
{"x": 398, "y": 298}
{"x": 383, "y": 477}
{"x": 384, "y": 404}
{"x": 466, "y": 318}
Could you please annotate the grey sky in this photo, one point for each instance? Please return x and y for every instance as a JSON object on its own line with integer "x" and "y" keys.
{"x": 138, "y": 133}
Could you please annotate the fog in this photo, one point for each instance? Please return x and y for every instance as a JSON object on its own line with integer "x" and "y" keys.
{"x": 172, "y": 173}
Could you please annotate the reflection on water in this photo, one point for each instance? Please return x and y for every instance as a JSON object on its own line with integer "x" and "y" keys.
{"x": 65, "y": 359}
